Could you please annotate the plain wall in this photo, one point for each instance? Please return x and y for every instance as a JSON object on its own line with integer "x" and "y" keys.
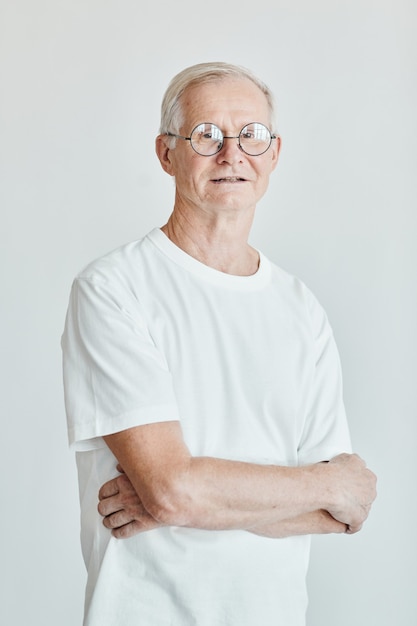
{"x": 81, "y": 83}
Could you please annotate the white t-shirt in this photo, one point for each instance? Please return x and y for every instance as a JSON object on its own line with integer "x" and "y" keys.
{"x": 249, "y": 367}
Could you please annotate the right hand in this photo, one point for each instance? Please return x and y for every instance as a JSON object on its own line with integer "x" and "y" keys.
{"x": 122, "y": 509}
{"x": 353, "y": 489}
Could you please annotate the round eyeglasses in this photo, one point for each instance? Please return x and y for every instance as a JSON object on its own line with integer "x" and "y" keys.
{"x": 207, "y": 139}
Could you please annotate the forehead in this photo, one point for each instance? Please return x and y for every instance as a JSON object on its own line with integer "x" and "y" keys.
{"x": 225, "y": 102}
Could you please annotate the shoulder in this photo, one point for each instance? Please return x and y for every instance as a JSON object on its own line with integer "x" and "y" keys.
{"x": 299, "y": 298}
{"x": 123, "y": 265}
{"x": 116, "y": 262}
{"x": 110, "y": 280}
{"x": 292, "y": 285}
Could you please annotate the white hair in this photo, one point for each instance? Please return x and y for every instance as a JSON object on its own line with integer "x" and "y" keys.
{"x": 172, "y": 116}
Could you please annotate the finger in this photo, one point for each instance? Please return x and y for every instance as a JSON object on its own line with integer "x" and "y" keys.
{"x": 135, "y": 527}
{"x": 110, "y": 505}
{"x": 118, "y": 519}
{"x": 128, "y": 530}
{"x": 108, "y": 489}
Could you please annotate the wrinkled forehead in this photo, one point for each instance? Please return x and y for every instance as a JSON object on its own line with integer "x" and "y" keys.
{"x": 226, "y": 100}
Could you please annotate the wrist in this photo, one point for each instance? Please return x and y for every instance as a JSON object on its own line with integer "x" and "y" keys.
{"x": 325, "y": 496}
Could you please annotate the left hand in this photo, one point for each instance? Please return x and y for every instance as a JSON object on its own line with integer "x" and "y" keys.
{"x": 122, "y": 508}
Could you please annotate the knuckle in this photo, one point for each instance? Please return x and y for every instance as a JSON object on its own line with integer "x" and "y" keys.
{"x": 113, "y": 521}
{"x": 107, "y": 522}
{"x": 120, "y": 533}
{"x": 110, "y": 522}
{"x": 119, "y": 519}
{"x": 124, "y": 532}
{"x": 122, "y": 482}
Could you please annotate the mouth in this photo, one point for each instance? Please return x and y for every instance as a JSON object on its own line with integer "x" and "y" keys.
{"x": 229, "y": 179}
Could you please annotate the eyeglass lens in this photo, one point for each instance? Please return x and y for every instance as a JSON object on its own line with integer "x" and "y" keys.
{"x": 207, "y": 139}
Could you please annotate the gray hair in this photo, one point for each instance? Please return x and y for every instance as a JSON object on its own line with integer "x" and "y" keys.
{"x": 172, "y": 116}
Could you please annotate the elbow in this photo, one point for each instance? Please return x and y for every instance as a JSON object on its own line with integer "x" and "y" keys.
{"x": 168, "y": 513}
{"x": 172, "y": 503}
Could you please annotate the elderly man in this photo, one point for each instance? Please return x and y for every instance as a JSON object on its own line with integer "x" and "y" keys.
{"x": 210, "y": 379}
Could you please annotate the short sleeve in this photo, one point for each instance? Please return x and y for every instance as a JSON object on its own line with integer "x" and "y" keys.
{"x": 114, "y": 376}
{"x": 325, "y": 433}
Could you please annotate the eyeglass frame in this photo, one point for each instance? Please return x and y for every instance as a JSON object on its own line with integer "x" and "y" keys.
{"x": 272, "y": 136}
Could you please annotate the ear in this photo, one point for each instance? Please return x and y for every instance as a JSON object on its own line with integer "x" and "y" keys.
{"x": 275, "y": 151}
{"x": 163, "y": 153}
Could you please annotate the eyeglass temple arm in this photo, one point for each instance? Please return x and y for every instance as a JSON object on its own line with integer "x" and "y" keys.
{"x": 177, "y": 136}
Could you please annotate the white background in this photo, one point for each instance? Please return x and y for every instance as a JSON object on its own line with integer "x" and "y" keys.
{"x": 81, "y": 84}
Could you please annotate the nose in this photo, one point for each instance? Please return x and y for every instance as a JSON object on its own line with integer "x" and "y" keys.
{"x": 231, "y": 151}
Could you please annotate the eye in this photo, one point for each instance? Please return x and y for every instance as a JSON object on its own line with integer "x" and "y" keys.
{"x": 255, "y": 132}
{"x": 207, "y": 133}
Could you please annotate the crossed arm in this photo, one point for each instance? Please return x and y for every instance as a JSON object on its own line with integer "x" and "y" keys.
{"x": 162, "y": 484}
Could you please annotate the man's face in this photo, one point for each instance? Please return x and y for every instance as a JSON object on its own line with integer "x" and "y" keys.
{"x": 230, "y": 180}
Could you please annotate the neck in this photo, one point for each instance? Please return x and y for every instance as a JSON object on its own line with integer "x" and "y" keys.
{"x": 219, "y": 242}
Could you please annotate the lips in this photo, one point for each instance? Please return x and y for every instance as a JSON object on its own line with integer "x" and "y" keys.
{"x": 229, "y": 179}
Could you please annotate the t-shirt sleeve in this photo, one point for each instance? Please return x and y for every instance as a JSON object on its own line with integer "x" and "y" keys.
{"x": 325, "y": 433}
{"x": 114, "y": 375}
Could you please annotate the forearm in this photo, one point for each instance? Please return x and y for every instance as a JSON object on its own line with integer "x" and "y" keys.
{"x": 216, "y": 494}
{"x": 125, "y": 515}
{"x": 211, "y": 493}
{"x": 219, "y": 494}
{"x": 314, "y": 523}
